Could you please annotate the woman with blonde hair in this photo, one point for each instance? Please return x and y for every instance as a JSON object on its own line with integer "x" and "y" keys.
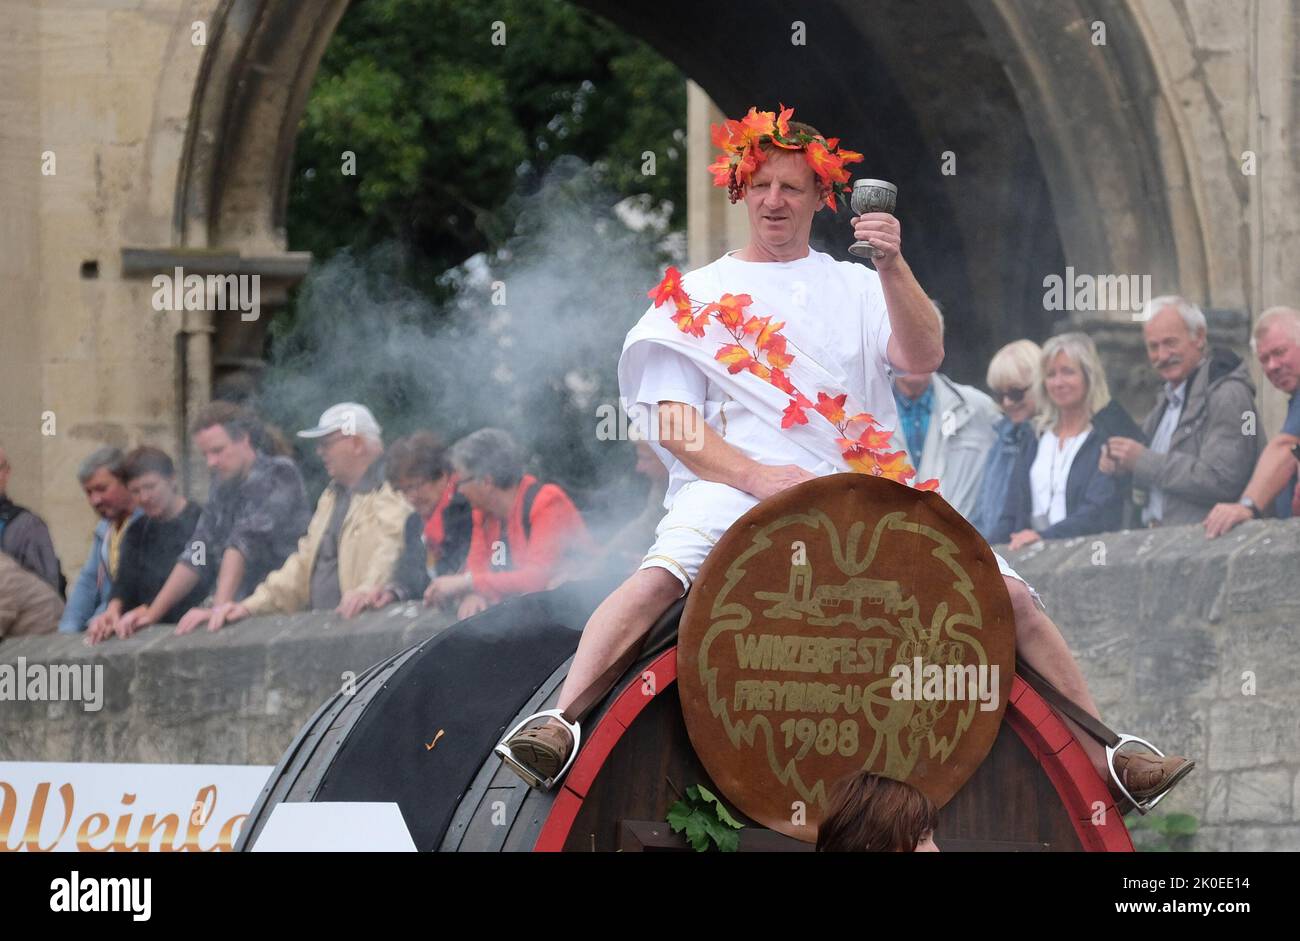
{"x": 1057, "y": 488}
{"x": 1012, "y": 379}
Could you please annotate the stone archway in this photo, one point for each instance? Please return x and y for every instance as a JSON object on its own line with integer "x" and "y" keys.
{"x": 1067, "y": 152}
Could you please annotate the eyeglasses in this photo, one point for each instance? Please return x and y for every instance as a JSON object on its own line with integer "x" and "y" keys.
{"x": 1015, "y": 395}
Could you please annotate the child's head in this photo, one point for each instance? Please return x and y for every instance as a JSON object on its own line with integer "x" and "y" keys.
{"x": 869, "y": 813}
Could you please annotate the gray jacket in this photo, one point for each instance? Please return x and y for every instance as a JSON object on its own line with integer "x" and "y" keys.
{"x": 956, "y": 442}
{"x": 1210, "y": 460}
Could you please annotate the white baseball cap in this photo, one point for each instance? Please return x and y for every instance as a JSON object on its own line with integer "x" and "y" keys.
{"x": 347, "y": 417}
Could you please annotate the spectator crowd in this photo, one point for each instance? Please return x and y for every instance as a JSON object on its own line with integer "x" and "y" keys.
{"x": 1048, "y": 455}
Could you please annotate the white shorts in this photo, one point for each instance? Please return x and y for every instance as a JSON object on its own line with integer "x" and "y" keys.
{"x": 702, "y": 511}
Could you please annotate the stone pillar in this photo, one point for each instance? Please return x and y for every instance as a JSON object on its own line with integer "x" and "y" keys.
{"x": 713, "y": 224}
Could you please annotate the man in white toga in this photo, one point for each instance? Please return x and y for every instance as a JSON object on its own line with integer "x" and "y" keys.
{"x": 721, "y": 435}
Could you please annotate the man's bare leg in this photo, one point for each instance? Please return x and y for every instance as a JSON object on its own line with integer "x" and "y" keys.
{"x": 1040, "y": 644}
{"x": 621, "y": 620}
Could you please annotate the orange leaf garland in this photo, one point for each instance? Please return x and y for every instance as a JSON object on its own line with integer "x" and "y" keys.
{"x": 794, "y": 412}
{"x": 831, "y": 408}
{"x": 769, "y": 335}
{"x": 734, "y": 356}
{"x": 874, "y": 438}
{"x": 781, "y": 381}
{"x": 730, "y": 310}
{"x": 721, "y": 170}
{"x": 865, "y": 453}
{"x": 758, "y": 124}
{"x": 669, "y": 288}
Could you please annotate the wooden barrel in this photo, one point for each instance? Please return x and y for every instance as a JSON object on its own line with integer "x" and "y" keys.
{"x": 420, "y": 728}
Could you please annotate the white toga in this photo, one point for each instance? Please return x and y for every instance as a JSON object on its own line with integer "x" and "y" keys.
{"x": 837, "y": 327}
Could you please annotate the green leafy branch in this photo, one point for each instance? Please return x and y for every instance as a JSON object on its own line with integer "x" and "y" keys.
{"x": 704, "y": 820}
{"x": 1170, "y": 832}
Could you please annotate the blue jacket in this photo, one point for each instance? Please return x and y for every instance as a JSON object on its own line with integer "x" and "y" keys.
{"x": 1010, "y": 441}
{"x": 1094, "y": 502}
{"x": 89, "y": 596}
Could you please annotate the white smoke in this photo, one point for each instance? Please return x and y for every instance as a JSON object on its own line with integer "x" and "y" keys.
{"x": 573, "y": 279}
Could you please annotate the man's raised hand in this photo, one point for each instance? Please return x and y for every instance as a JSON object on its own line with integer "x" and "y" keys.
{"x": 884, "y": 233}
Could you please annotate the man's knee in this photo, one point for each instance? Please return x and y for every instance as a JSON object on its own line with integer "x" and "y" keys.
{"x": 1022, "y": 603}
{"x": 655, "y": 587}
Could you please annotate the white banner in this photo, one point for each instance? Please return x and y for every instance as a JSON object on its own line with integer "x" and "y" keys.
{"x": 58, "y": 806}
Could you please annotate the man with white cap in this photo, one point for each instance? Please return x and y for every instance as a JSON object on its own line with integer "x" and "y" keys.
{"x": 362, "y": 548}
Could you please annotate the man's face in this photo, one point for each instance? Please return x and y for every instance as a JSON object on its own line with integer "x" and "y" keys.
{"x": 107, "y": 495}
{"x": 913, "y": 385}
{"x": 781, "y": 199}
{"x": 346, "y": 457}
{"x": 153, "y": 493}
{"x": 4, "y": 472}
{"x": 227, "y": 458}
{"x": 1279, "y": 356}
{"x": 1173, "y": 350}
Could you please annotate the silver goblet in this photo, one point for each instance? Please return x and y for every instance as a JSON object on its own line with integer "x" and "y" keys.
{"x": 871, "y": 196}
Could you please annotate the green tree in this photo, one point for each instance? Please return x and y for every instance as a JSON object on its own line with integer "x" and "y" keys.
{"x": 444, "y": 124}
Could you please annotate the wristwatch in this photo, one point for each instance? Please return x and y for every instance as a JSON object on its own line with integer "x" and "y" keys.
{"x": 1249, "y": 504}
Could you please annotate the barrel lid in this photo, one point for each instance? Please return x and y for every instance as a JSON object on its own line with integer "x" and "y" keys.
{"x": 844, "y": 624}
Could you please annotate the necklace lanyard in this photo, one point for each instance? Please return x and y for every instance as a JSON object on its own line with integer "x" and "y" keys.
{"x": 1051, "y": 479}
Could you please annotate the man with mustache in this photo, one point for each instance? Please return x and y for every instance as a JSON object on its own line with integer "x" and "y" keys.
{"x": 1199, "y": 455}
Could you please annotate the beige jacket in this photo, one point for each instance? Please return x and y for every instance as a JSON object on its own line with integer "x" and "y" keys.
{"x": 371, "y": 541}
{"x": 27, "y": 604}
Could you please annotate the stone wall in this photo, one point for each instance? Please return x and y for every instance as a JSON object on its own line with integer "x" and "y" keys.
{"x": 234, "y": 697}
{"x": 1172, "y": 630}
{"x": 1194, "y": 644}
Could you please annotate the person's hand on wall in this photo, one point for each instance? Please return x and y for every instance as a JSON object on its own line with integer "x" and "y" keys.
{"x": 446, "y": 587}
{"x": 129, "y": 623}
{"x": 1026, "y": 537}
{"x": 101, "y": 627}
{"x": 227, "y": 613}
{"x": 354, "y": 602}
{"x": 193, "y": 619}
{"x": 471, "y": 605}
{"x": 1224, "y": 517}
{"x": 380, "y": 598}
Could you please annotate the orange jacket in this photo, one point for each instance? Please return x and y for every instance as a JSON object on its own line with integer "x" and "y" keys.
{"x": 556, "y": 532}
